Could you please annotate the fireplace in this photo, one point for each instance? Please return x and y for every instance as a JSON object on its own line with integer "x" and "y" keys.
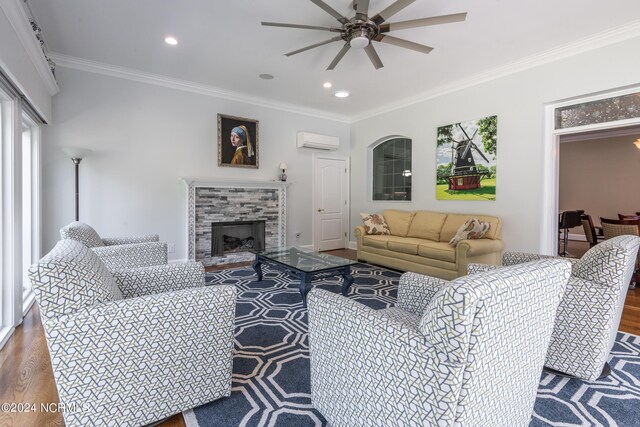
{"x": 237, "y": 236}
{"x": 211, "y": 200}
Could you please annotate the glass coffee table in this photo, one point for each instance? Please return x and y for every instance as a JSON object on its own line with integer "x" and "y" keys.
{"x": 306, "y": 265}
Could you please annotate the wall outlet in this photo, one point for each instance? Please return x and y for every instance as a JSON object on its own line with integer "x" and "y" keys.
{"x": 171, "y": 248}
{"x": 298, "y": 234}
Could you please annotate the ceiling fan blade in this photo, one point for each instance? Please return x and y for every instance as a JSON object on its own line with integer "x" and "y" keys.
{"x": 424, "y": 22}
{"x": 373, "y": 56}
{"x": 383, "y": 38}
{"x": 306, "y": 27}
{"x": 361, "y": 7}
{"x": 334, "y": 39}
{"x": 331, "y": 11}
{"x": 339, "y": 56}
{"x": 391, "y": 10}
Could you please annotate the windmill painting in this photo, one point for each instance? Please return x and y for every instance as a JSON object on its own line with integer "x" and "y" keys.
{"x": 466, "y": 157}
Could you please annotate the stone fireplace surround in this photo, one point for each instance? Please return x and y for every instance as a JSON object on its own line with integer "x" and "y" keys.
{"x": 218, "y": 199}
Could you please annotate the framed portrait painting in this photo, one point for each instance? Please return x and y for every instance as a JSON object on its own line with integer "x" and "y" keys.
{"x": 237, "y": 142}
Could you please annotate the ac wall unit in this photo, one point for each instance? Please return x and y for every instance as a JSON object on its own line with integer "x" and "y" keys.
{"x": 321, "y": 142}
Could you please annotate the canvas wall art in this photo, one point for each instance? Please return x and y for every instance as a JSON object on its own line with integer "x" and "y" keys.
{"x": 466, "y": 160}
{"x": 237, "y": 142}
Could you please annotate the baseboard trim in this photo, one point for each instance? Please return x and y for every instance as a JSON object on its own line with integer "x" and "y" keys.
{"x": 577, "y": 237}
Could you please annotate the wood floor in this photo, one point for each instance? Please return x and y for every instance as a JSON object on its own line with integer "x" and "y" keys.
{"x": 26, "y": 375}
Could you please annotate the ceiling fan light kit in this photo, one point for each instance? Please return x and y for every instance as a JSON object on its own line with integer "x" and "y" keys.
{"x": 361, "y": 30}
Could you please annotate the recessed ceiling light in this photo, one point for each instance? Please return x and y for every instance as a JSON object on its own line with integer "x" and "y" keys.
{"x": 327, "y": 85}
{"x": 171, "y": 40}
{"x": 266, "y": 76}
{"x": 341, "y": 94}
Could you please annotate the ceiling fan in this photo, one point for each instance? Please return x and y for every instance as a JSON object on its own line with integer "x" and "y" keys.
{"x": 361, "y": 30}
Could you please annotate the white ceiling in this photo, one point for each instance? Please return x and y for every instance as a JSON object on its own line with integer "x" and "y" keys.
{"x": 223, "y": 45}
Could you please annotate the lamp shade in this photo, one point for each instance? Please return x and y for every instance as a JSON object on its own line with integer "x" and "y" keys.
{"x": 76, "y": 152}
{"x": 283, "y": 166}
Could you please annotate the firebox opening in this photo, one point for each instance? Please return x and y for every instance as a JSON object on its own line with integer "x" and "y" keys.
{"x": 237, "y": 236}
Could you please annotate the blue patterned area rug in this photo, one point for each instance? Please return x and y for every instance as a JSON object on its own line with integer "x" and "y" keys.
{"x": 271, "y": 385}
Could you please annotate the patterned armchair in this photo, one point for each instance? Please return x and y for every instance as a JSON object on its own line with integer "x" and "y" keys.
{"x": 119, "y": 252}
{"x": 467, "y": 353}
{"x": 124, "y": 355}
{"x": 590, "y": 311}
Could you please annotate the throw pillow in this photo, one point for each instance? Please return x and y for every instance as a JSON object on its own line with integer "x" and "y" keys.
{"x": 374, "y": 224}
{"x": 471, "y": 229}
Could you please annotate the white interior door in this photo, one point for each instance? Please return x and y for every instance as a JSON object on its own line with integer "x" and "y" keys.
{"x": 331, "y": 202}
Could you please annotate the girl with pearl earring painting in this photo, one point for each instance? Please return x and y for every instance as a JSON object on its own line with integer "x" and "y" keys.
{"x": 237, "y": 142}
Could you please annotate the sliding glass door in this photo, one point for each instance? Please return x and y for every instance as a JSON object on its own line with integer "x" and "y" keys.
{"x": 19, "y": 208}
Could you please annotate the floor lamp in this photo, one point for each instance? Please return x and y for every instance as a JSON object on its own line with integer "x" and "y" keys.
{"x": 76, "y": 155}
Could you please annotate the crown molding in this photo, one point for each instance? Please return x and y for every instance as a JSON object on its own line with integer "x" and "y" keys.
{"x": 586, "y": 44}
{"x": 19, "y": 20}
{"x": 184, "y": 85}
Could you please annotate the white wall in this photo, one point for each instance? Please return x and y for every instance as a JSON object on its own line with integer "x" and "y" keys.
{"x": 143, "y": 138}
{"x": 19, "y": 67}
{"x": 518, "y": 100}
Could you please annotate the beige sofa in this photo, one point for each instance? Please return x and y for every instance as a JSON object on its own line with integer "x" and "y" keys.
{"x": 419, "y": 242}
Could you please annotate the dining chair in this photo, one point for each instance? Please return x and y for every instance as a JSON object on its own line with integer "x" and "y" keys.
{"x": 590, "y": 230}
{"x": 625, "y": 216}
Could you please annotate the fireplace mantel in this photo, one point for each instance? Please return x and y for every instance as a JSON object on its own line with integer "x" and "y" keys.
{"x": 199, "y": 208}
{"x": 212, "y": 182}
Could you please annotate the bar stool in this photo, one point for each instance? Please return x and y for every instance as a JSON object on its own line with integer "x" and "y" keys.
{"x": 568, "y": 219}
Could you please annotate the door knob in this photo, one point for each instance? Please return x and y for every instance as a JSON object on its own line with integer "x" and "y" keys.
{"x": 320, "y": 210}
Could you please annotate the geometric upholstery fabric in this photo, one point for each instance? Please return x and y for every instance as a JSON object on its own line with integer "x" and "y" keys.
{"x": 119, "y": 252}
{"x": 416, "y": 290}
{"x": 132, "y": 361}
{"x": 590, "y": 311}
{"x": 69, "y": 278}
{"x": 133, "y": 255}
{"x": 159, "y": 278}
{"x": 83, "y": 233}
{"x": 463, "y": 366}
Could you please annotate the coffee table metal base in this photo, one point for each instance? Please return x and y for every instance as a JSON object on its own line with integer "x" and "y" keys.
{"x": 307, "y": 277}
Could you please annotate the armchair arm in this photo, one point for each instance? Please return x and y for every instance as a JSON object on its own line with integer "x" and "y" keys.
{"x": 513, "y": 258}
{"x": 132, "y": 255}
{"x": 416, "y": 290}
{"x": 472, "y": 248}
{"x": 376, "y": 359}
{"x": 109, "y": 241}
{"x": 159, "y": 278}
{"x": 165, "y": 353}
{"x": 359, "y": 231}
{"x": 485, "y": 251}
{"x": 473, "y": 268}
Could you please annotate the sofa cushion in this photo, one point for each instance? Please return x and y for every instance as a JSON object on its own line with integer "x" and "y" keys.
{"x": 83, "y": 233}
{"x": 376, "y": 241}
{"x": 472, "y": 229}
{"x": 374, "y": 224}
{"x": 454, "y": 221}
{"x": 427, "y": 225}
{"x": 69, "y": 278}
{"x": 399, "y": 221}
{"x": 437, "y": 250}
{"x": 406, "y": 245}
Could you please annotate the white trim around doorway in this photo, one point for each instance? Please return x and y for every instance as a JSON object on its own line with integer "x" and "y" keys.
{"x": 551, "y": 160}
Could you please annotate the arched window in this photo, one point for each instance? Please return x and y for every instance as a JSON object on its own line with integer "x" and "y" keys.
{"x": 392, "y": 169}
